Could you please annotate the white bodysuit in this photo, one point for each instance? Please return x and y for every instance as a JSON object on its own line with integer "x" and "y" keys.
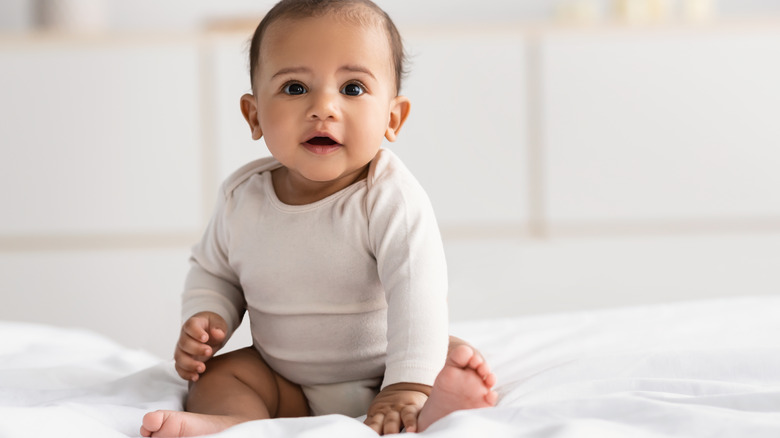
{"x": 349, "y": 288}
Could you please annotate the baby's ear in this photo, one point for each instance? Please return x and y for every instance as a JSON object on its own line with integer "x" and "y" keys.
{"x": 249, "y": 110}
{"x": 399, "y": 111}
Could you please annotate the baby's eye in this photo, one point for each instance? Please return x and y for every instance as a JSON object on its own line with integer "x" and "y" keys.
{"x": 353, "y": 89}
{"x": 294, "y": 89}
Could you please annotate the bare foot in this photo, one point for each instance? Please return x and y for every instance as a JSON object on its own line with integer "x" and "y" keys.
{"x": 465, "y": 382}
{"x": 179, "y": 424}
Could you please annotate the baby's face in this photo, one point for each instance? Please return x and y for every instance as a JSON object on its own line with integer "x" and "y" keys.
{"x": 325, "y": 91}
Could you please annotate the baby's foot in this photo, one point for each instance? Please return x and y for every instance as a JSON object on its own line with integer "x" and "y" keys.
{"x": 465, "y": 382}
{"x": 179, "y": 424}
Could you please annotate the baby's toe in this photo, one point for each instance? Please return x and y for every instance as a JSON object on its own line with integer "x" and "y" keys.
{"x": 490, "y": 380}
{"x": 483, "y": 369}
{"x": 461, "y": 356}
{"x": 491, "y": 398}
{"x": 476, "y": 361}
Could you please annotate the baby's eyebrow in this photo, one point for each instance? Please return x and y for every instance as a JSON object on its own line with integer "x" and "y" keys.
{"x": 288, "y": 70}
{"x": 357, "y": 68}
{"x": 352, "y": 68}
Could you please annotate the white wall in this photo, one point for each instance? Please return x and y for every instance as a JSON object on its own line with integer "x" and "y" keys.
{"x": 189, "y": 14}
{"x": 570, "y": 167}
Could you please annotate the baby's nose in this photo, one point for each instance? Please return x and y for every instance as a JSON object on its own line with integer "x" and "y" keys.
{"x": 324, "y": 106}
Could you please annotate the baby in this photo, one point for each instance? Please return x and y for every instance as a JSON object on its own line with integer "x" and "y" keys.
{"x": 331, "y": 246}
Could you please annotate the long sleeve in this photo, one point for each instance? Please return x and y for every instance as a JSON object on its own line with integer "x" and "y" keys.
{"x": 212, "y": 284}
{"x": 412, "y": 268}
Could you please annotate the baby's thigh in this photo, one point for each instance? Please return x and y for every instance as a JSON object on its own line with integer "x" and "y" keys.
{"x": 246, "y": 368}
{"x": 347, "y": 398}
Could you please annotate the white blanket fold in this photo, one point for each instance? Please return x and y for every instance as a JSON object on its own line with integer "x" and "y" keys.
{"x": 695, "y": 369}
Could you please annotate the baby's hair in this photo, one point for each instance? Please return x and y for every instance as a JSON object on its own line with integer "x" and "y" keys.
{"x": 360, "y": 11}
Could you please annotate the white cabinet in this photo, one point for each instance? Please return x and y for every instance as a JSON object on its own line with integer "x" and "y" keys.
{"x": 225, "y": 82}
{"x": 100, "y": 166}
{"x": 99, "y": 136}
{"x": 465, "y": 139}
{"x": 131, "y": 296}
{"x": 660, "y": 126}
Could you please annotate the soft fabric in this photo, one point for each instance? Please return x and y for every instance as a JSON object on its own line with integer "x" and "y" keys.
{"x": 348, "y": 288}
{"x": 347, "y": 398}
{"x": 683, "y": 370}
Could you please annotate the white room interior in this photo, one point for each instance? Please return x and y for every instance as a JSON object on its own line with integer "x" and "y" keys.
{"x": 575, "y": 159}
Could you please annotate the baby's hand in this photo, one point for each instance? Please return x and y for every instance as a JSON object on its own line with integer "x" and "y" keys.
{"x": 397, "y": 406}
{"x": 201, "y": 336}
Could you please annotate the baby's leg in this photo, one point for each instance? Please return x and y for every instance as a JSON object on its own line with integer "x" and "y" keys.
{"x": 236, "y": 387}
{"x": 465, "y": 382}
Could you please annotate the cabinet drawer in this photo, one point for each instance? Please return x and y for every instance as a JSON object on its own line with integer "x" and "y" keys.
{"x": 99, "y": 137}
{"x": 661, "y": 125}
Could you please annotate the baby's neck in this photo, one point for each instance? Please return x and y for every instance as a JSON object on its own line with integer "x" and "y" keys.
{"x": 293, "y": 189}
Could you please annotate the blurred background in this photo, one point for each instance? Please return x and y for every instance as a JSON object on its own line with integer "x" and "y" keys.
{"x": 579, "y": 154}
{"x": 192, "y": 14}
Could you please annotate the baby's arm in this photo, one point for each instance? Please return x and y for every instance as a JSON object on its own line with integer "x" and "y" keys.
{"x": 201, "y": 336}
{"x": 397, "y": 406}
{"x": 412, "y": 268}
{"x": 213, "y": 302}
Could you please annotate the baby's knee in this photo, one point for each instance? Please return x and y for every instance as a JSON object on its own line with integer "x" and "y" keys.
{"x": 244, "y": 358}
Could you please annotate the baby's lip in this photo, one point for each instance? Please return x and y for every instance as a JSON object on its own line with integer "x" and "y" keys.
{"x": 322, "y": 143}
{"x": 322, "y": 139}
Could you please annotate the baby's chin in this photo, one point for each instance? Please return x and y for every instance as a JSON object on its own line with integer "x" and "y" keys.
{"x": 335, "y": 174}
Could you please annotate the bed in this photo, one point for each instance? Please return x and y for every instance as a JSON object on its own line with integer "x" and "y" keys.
{"x": 687, "y": 369}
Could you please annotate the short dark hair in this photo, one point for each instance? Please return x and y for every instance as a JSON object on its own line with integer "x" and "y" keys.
{"x": 362, "y": 11}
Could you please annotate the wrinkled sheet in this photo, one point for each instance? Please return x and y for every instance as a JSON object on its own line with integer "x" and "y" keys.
{"x": 693, "y": 369}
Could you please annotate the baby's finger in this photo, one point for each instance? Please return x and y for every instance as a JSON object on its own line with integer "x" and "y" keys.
{"x": 194, "y": 348}
{"x": 409, "y": 417}
{"x": 375, "y": 422}
{"x": 392, "y": 423}
{"x": 187, "y": 367}
{"x": 187, "y": 375}
{"x": 195, "y": 328}
{"x": 188, "y": 363}
{"x": 216, "y": 337}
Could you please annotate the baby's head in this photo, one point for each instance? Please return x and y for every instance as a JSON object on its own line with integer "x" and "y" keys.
{"x": 325, "y": 82}
{"x": 363, "y": 12}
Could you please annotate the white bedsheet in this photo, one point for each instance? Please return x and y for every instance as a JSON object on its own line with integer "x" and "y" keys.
{"x": 696, "y": 369}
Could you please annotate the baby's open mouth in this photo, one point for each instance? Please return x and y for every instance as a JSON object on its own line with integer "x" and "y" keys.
{"x": 322, "y": 145}
{"x": 322, "y": 141}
